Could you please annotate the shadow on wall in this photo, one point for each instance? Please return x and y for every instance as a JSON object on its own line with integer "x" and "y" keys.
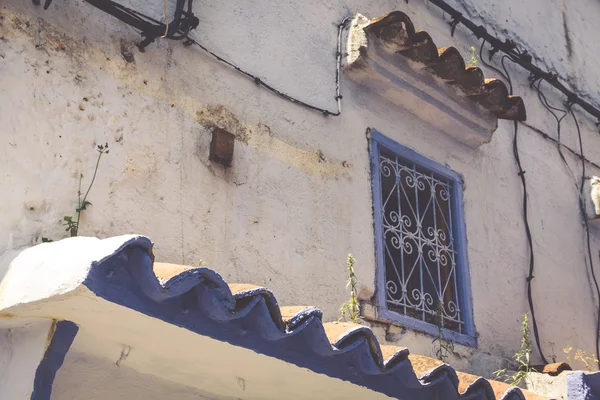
{"x": 5, "y": 261}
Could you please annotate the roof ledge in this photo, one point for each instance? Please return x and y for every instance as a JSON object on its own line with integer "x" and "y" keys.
{"x": 389, "y": 59}
{"x": 117, "y": 294}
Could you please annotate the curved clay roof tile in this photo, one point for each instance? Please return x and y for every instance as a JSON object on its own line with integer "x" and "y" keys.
{"x": 396, "y": 33}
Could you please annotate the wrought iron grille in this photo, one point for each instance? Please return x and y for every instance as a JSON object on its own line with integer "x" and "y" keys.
{"x": 420, "y": 254}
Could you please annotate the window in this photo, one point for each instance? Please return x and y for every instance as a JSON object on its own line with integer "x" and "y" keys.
{"x": 422, "y": 272}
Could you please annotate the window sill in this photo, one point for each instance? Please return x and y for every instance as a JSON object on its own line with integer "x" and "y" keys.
{"x": 373, "y": 313}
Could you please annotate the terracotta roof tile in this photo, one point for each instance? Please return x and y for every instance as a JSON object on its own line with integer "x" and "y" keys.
{"x": 390, "y": 351}
{"x": 423, "y": 364}
{"x": 295, "y": 315}
{"x": 397, "y": 33}
{"x": 166, "y": 271}
{"x": 289, "y": 312}
{"x": 337, "y": 331}
{"x": 240, "y": 288}
{"x": 553, "y": 369}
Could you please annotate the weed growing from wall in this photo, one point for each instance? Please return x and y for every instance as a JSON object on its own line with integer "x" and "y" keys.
{"x": 72, "y": 223}
{"x": 443, "y": 347}
{"x": 351, "y": 309}
{"x": 587, "y": 359}
{"x": 521, "y": 358}
{"x": 473, "y": 59}
{"x": 553, "y": 355}
{"x": 73, "y": 226}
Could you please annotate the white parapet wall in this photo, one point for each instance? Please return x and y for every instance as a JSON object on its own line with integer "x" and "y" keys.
{"x": 23, "y": 342}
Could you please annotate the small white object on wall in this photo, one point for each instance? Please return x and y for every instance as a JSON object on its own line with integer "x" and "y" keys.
{"x": 595, "y": 193}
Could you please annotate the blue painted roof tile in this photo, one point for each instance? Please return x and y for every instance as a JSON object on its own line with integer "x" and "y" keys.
{"x": 201, "y": 301}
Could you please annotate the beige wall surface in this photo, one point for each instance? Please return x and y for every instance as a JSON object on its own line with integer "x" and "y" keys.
{"x": 297, "y": 198}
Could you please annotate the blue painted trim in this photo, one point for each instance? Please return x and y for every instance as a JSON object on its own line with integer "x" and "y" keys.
{"x": 413, "y": 156}
{"x": 200, "y": 301}
{"x": 64, "y": 334}
{"x": 583, "y": 386}
{"x": 378, "y": 223}
{"x": 469, "y": 338}
{"x": 463, "y": 272}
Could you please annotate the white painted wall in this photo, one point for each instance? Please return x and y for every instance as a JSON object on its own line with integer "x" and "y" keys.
{"x": 282, "y": 215}
{"x": 22, "y": 346}
{"x": 86, "y": 377}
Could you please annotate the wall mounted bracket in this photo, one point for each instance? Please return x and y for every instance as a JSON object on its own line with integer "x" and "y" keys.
{"x": 178, "y": 28}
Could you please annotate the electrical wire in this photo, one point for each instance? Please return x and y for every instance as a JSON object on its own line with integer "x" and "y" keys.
{"x": 551, "y": 109}
{"x": 521, "y": 174}
{"x": 509, "y": 47}
{"x": 530, "y": 277}
{"x": 579, "y": 187}
{"x": 185, "y": 21}
{"x": 178, "y": 28}
{"x": 505, "y": 75}
{"x": 570, "y": 150}
{"x": 510, "y": 85}
{"x": 260, "y": 82}
{"x": 502, "y": 74}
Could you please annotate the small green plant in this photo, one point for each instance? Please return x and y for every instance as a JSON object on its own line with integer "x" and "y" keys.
{"x": 521, "y": 359}
{"x": 71, "y": 223}
{"x": 351, "y": 310}
{"x": 586, "y": 359}
{"x": 443, "y": 346}
{"x": 473, "y": 60}
{"x": 553, "y": 355}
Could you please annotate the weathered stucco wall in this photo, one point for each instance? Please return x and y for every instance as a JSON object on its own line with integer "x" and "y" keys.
{"x": 297, "y": 197}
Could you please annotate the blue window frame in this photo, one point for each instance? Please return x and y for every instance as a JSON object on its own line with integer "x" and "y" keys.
{"x": 422, "y": 272}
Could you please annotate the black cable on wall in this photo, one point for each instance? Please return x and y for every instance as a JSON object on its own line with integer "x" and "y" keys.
{"x": 338, "y": 97}
{"x": 521, "y": 174}
{"x": 522, "y": 58}
{"x": 579, "y": 186}
{"x": 185, "y": 21}
{"x": 530, "y": 276}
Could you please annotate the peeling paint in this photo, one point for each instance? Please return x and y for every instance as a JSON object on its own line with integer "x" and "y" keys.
{"x": 261, "y": 137}
{"x": 216, "y": 115}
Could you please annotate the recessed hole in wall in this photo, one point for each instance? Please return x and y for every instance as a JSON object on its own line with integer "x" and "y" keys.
{"x": 221, "y": 147}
